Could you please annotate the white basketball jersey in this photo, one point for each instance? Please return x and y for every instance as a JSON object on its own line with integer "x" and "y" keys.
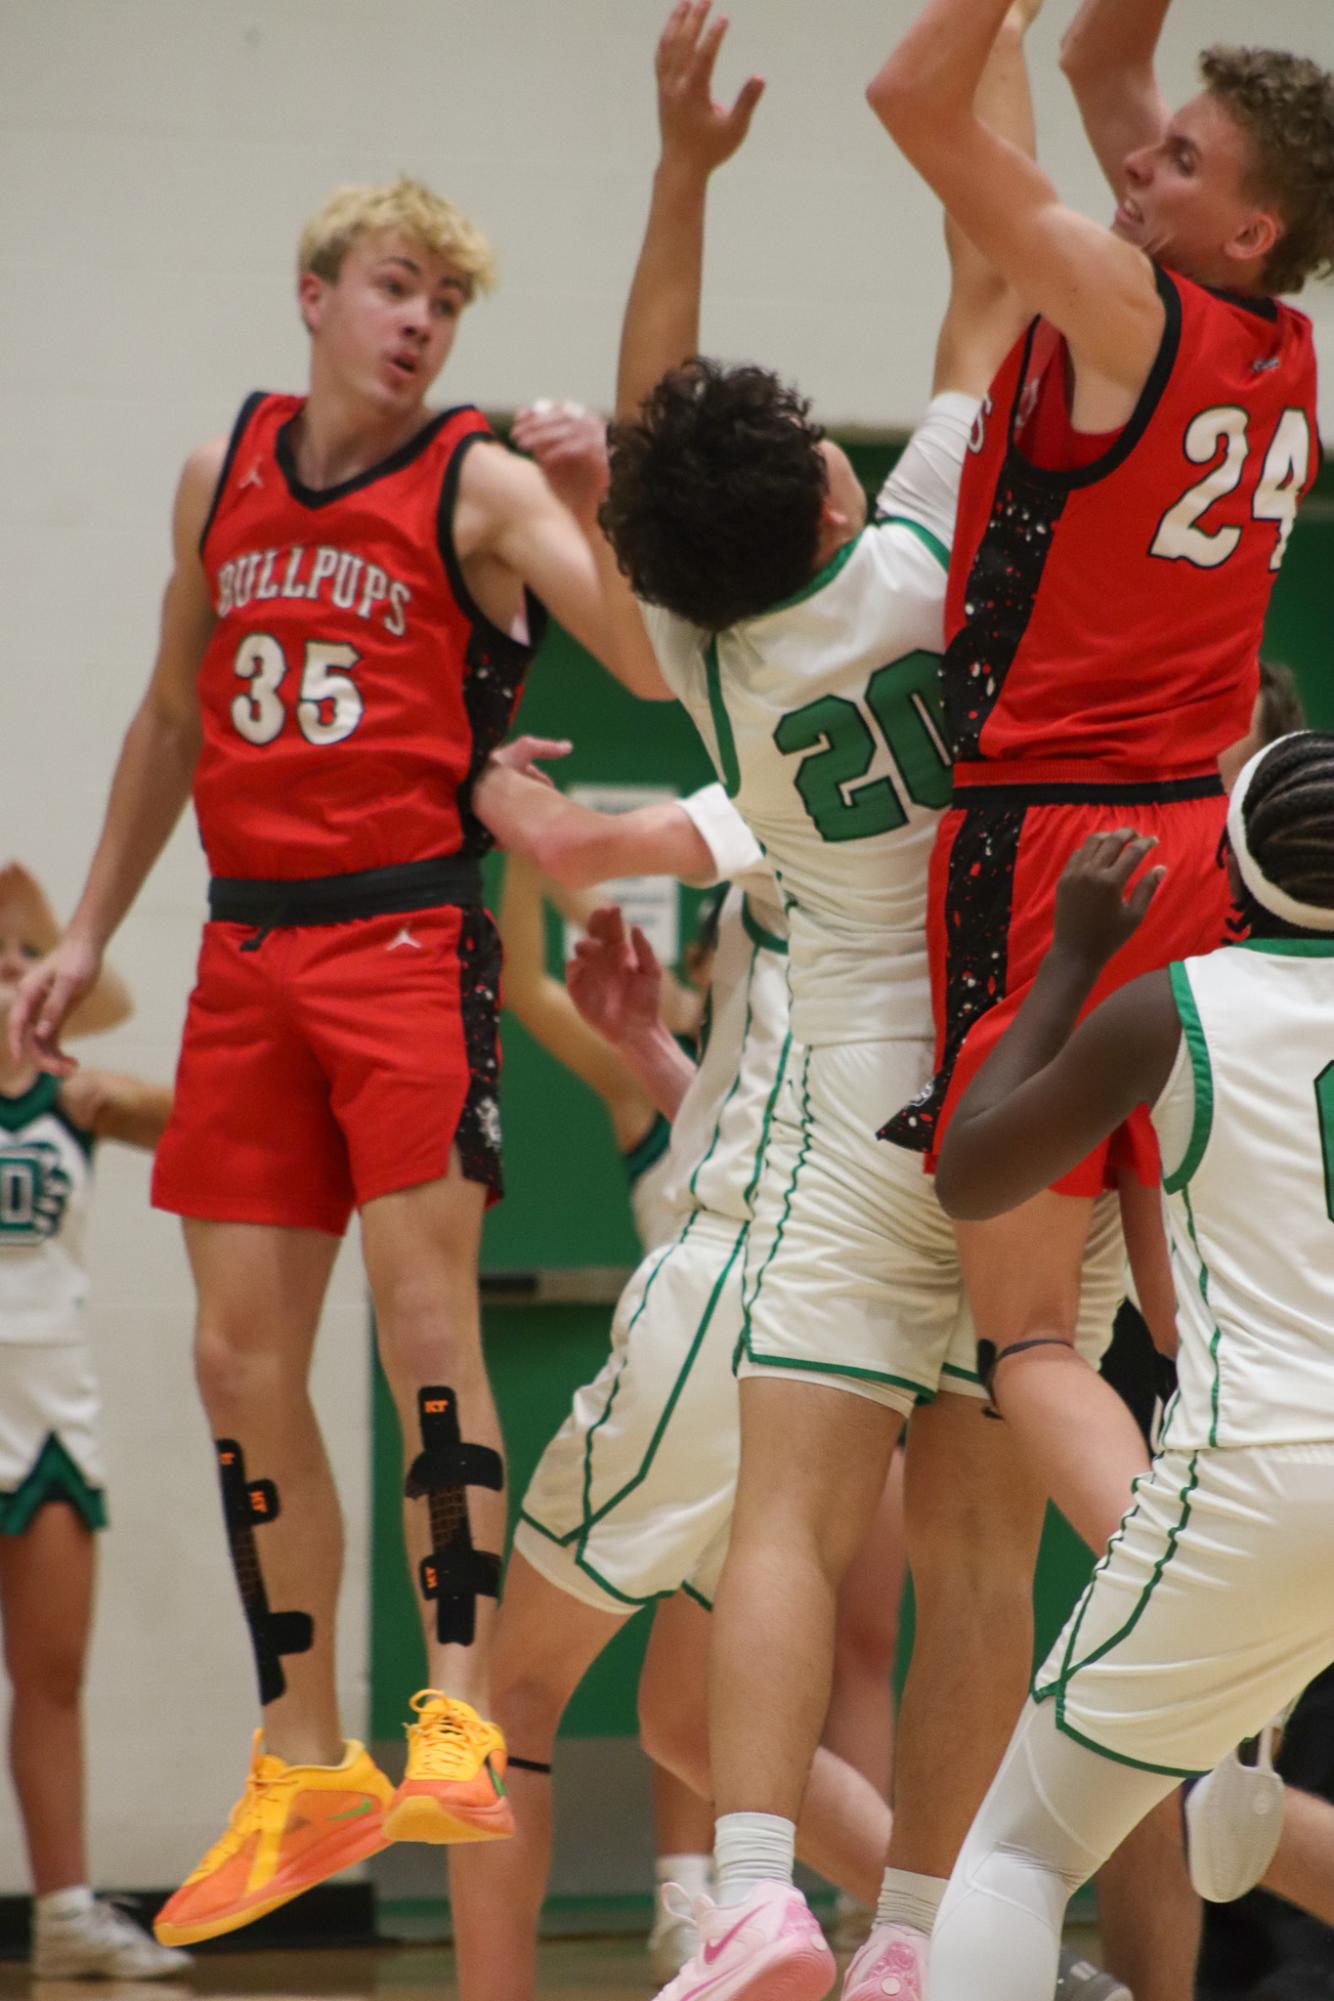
{"x": 650, "y": 1176}
{"x": 824, "y": 720}
{"x": 1246, "y": 1124}
{"x": 45, "y": 1187}
{"x": 720, "y": 1126}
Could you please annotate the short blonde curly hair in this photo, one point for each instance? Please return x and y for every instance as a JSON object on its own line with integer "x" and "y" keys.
{"x": 1285, "y": 106}
{"x": 406, "y": 205}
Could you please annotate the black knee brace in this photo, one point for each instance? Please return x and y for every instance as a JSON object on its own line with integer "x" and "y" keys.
{"x": 455, "y": 1575}
{"x": 245, "y": 1505}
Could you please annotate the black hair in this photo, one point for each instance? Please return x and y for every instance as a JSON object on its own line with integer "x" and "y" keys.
{"x": 1288, "y": 814}
{"x": 716, "y": 491}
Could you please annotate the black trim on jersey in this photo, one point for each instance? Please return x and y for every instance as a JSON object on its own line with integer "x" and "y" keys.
{"x": 1264, "y": 307}
{"x": 1149, "y": 398}
{"x": 495, "y": 662}
{"x": 1133, "y": 792}
{"x": 246, "y": 412}
{"x": 477, "y": 1135}
{"x": 316, "y": 497}
{"x": 534, "y": 610}
{"x": 979, "y": 897}
{"x": 344, "y": 899}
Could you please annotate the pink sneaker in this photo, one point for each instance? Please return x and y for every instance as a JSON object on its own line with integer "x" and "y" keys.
{"x": 892, "y": 1963}
{"x": 767, "y": 1949}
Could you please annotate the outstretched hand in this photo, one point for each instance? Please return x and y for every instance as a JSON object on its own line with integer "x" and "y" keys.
{"x": 46, "y": 997}
{"x": 614, "y": 978}
{"x": 1094, "y": 915}
{"x": 694, "y": 126}
{"x": 522, "y": 754}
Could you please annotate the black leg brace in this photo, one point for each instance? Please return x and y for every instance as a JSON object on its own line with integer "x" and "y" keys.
{"x": 245, "y": 1505}
{"x": 455, "y": 1574}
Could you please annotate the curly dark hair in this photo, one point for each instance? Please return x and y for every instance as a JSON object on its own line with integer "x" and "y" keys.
{"x": 716, "y": 488}
{"x": 1289, "y": 817}
{"x": 1285, "y": 105}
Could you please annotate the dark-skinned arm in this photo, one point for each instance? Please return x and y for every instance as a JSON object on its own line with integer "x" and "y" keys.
{"x": 1050, "y": 1091}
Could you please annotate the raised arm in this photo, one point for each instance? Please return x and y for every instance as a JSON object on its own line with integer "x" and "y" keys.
{"x": 113, "y": 1106}
{"x": 985, "y": 315}
{"x": 1108, "y": 54}
{"x": 1049, "y": 1091}
{"x": 569, "y": 444}
{"x": 1099, "y": 291}
{"x": 661, "y": 326}
{"x": 148, "y": 790}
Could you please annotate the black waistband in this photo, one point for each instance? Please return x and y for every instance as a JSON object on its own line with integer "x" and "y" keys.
{"x": 341, "y": 899}
{"x": 1135, "y": 792}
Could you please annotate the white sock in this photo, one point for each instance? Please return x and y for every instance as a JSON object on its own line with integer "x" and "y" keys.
{"x": 73, "y": 1902}
{"x": 691, "y": 1873}
{"x": 906, "y": 1899}
{"x": 751, "y": 1848}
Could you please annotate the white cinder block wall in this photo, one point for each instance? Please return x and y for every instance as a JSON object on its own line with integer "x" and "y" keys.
{"x": 157, "y": 158}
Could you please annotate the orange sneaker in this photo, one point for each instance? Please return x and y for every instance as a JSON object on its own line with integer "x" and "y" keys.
{"x": 292, "y": 1826}
{"x": 454, "y": 1786}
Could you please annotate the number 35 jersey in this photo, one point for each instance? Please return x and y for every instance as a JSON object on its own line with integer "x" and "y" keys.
{"x": 351, "y": 687}
{"x": 1111, "y": 611}
{"x": 823, "y": 717}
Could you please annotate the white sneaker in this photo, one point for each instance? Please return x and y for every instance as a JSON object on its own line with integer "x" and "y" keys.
{"x": 768, "y": 1949}
{"x": 1234, "y": 1818}
{"x": 892, "y": 1963}
{"x": 99, "y": 1941}
{"x": 674, "y": 1939}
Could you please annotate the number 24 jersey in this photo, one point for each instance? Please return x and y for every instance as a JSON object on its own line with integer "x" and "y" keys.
{"x": 1112, "y": 612}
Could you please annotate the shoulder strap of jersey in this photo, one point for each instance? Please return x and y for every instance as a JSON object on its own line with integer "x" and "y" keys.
{"x": 239, "y": 429}
{"x": 459, "y": 440}
{"x": 41, "y": 1096}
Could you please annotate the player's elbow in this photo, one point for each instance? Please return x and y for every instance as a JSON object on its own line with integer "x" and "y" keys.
{"x": 891, "y": 96}
{"x": 961, "y": 1182}
{"x": 1075, "y": 60}
{"x": 569, "y": 856}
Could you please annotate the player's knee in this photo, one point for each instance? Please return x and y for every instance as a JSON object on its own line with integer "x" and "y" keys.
{"x": 527, "y": 1705}
{"x": 424, "y": 1333}
{"x": 45, "y": 1668}
{"x": 236, "y": 1378}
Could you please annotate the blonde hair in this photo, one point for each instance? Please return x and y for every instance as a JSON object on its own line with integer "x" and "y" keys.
{"x": 406, "y": 205}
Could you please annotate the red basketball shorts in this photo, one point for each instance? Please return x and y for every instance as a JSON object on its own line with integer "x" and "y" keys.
{"x": 331, "y": 1063}
{"x": 991, "y": 902}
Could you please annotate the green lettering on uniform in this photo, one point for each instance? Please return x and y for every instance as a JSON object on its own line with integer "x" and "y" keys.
{"x": 905, "y": 699}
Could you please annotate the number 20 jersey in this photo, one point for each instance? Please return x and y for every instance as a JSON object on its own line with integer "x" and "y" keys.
{"x": 823, "y": 718}
{"x": 1112, "y": 613}
{"x": 350, "y": 687}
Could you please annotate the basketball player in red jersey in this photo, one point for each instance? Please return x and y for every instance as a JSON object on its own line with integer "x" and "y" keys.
{"x": 1124, "y": 511}
{"x": 357, "y": 593}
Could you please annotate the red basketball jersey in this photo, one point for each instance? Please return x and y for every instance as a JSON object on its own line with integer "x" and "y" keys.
{"x": 351, "y": 686}
{"x": 1110, "y": 613}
